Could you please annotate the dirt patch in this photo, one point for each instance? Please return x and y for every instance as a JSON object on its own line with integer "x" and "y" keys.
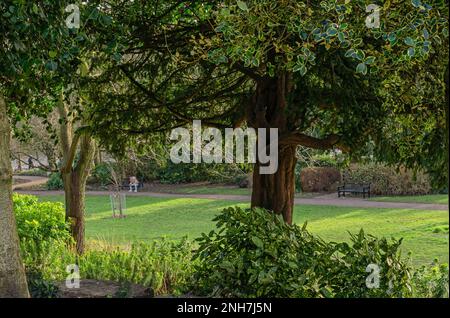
{"x": 90, "y": 288}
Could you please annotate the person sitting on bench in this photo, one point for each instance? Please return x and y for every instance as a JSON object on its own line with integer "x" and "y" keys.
{"x": 134, "y": 183}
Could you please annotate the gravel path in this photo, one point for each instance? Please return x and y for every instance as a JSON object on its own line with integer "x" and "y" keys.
{"x": 31, "y": 181}
{"x": 328, "y": 200}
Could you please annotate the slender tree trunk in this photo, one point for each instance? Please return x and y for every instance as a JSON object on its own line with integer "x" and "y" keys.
{"x": 19, "y": 163}
{"x": 13, "y": 281}
{"x": 75, "y": 175}
{"x": 74, "y": 192}
{"x": 447, "y": 111}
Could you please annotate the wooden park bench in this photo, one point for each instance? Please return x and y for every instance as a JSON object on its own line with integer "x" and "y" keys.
{"x": 354, "y": 188}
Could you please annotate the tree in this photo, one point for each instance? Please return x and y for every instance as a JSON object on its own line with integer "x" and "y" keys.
{"x": 291, "y": 65}
{"x": 36, "y": 139}
{"x": 35, "y": 40}
{"x": 12, "y": 272}
{"x": 78, "y": 149}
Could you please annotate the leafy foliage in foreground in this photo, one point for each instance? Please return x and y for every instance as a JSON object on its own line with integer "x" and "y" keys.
{"x": 255, "y": 254}
{"x": 251, "y": 254}
{"x": 40, "y": 221}
{"x": 162, "y": 265}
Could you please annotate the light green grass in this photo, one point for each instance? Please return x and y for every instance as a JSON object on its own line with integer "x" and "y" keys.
{"x": 211, "y": 189}
{"x": 226, "y": 190}
{"x": 425, "y": 233}
{"x": 432, "y": 198}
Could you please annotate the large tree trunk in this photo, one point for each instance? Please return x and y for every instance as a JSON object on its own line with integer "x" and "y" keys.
{"x": 13, "y": 281}
{"x": 274, "y": 192}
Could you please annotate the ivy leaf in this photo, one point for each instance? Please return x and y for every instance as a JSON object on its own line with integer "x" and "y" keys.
{"x": 392, "y": 37}
{"x": 411, "y": 52}
{"x": 332, "y": 32}
{"x": 409, "y": 41}
{"x": 370, "y": 60}
{"x": 349, "y": 53}
{"x": 361, "y": 68}
{"x": 242, "y": 5}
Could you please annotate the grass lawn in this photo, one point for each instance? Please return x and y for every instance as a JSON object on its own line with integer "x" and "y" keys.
{"x": 425, "y": 233}
{"x": 432, "y": 198}
{"x": 226, "y": 190}
{"x": 211, "y": 189}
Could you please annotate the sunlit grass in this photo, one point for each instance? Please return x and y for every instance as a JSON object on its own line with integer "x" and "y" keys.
{"x": 432, "y": 198}
{"x": 425, "y": 233}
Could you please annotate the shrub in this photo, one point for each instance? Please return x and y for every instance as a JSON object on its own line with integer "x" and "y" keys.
{"x": 318, "y": 179}
{"x": 431, "y": 281}
{"x": 386, "y": 180}
{"x": 39, "y": 221}
{"x": 55, "y": 182}
{"x": 185, "y": 173}
{"x": 101, "y": 174}
{"x": 254, "y": 253}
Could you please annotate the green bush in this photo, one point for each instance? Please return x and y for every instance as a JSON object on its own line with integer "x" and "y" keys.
{"x": 55, "y": 182}
{"x": 431, "y": 281}
{"x": 186, "y": 173}
{"x": 101, "y": 174}
{"x": 255, "y": 254}
{"x": 39, "y": 221}
{"x": 387, "y": 180}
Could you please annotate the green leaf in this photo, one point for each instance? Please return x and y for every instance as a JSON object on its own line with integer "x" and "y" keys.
{"x": 361, "y": 68}
{"x": 392, "y": 37}
{"x": 242, "y": 5}
{"x": 411, "y": 52}
{"x": 370, "y": 60}
{"x": 52, "y": 54}
{"x": 425, "y": 33}
{"x": 349, "y": 53}
{"x": 332, "y": 31}
{"x": 257, "y": 241}
{"x": 409, "y": 41}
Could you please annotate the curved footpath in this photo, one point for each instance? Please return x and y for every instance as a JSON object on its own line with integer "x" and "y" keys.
{"x": 321, "y": 200}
